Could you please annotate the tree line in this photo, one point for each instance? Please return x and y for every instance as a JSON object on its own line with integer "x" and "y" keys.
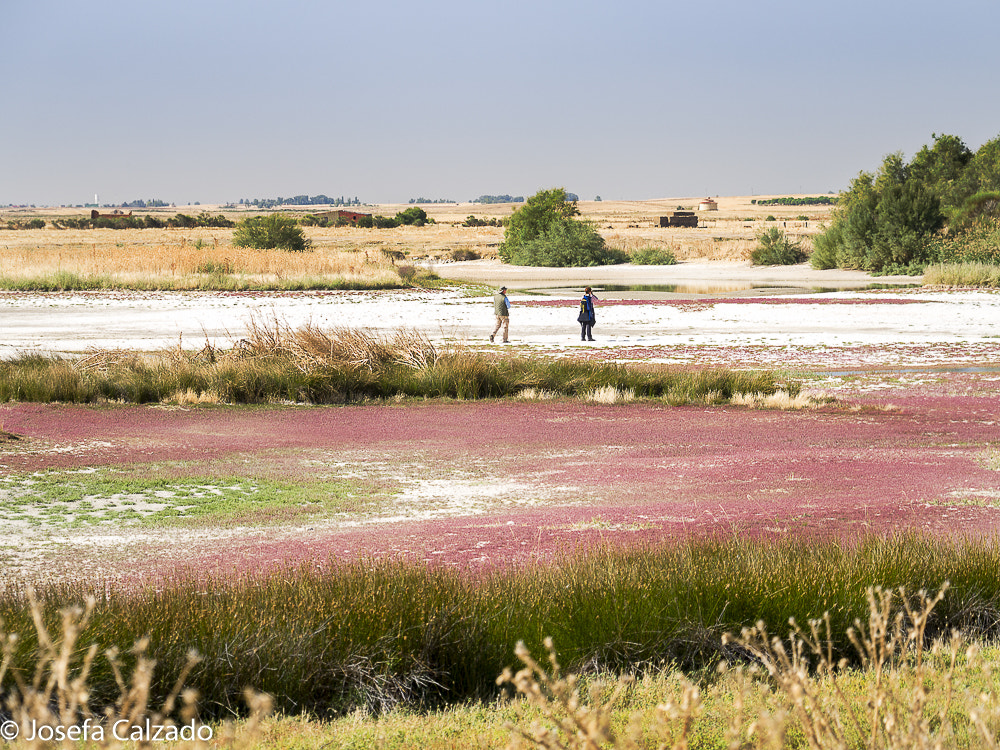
{"x": 300, "y": 200}
{"x": 907, "y": 214}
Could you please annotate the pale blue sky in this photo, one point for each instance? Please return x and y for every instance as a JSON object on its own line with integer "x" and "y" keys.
{"x": 198, "y": 100}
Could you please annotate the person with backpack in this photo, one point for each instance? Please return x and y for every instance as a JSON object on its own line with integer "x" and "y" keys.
{"x": 586, "y": 318}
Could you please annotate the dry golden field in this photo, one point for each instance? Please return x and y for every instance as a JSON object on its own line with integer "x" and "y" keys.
{"x": 180, "y": 257}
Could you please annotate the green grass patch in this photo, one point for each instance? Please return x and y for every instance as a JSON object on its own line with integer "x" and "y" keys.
{"x": 59, "y": 498}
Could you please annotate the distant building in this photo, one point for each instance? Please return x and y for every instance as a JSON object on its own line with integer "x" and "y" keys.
{"x": 341, "y": 216}
{"x": 679, "y": 219}
{"x": 707, "y": 204}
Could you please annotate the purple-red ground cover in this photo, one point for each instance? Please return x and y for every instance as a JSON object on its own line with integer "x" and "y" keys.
{"x": 914, "y": 454}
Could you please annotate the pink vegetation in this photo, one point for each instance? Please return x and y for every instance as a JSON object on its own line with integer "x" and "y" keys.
{"x": 620, "y": 474}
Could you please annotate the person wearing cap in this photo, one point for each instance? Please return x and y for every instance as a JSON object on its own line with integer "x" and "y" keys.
{"x": 501, "y": 307}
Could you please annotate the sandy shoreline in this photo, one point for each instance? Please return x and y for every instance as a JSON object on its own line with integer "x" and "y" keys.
{"x": 686, "y": 273}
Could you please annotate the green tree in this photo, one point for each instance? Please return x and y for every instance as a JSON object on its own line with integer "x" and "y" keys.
{"x": 267, "y": 232}
{"x": 540, "y": 213}
{"x": 564, "y": 244}
{"x": 941, "y": 166}
{"x": 883, "y": 221}
{"x": 982, "y": 173}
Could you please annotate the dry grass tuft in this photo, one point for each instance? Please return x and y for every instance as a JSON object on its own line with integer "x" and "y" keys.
{"x": 609, "y": 394}
{"x": 908, "y": 696}
{"x": 779, "y": 400}
{"x": 52, "y": 707}
{"x": 190, "y": 397}
{"x": 311, "y": 347}
{"x": 536, "y": 394}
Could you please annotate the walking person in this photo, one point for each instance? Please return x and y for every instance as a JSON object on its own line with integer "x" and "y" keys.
{"x": 501, "y": 307}
{"x": 586, "y": 317}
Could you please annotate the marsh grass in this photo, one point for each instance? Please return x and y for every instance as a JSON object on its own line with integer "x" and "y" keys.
{"x": 50, "y": 690}
{"x": 275, "y": 363}
{"x": 377, "y": 635}
{"x": 968, "y": 274}
{"x": 908, "y": 692}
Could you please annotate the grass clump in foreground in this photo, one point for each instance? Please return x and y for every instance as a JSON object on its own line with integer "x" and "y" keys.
{"x": 49, "y": 705}
{"x": 275, "y": 363}
{"x": 378, "y": 636}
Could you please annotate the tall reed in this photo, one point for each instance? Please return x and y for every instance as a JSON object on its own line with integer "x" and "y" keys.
{"x": 963, "y": 274}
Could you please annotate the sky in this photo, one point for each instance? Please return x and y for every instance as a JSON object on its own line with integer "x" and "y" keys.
{"x": 208, "y": 101}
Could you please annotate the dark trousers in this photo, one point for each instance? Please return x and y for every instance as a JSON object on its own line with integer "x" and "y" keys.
{"x": 586, "y": 331}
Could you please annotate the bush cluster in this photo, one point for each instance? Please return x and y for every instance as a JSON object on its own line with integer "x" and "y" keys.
{"x": 775, "y": 248}
{"x": 474, "y": 221}
{"x": 271, "y": 231}
{"x": 181, "y": 221}
{"x": 414, "y": 216}
{"x": 24, "y": 224}
{"x": 652, "y": 256}
{"x": 891, "y": 221}
{"x": 822, "y": 200}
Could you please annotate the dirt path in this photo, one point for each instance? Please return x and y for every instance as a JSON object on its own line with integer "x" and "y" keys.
{"x": 478, "y": 484}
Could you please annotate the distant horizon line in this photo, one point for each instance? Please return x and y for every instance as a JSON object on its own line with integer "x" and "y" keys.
{"x": 438, "y": 202}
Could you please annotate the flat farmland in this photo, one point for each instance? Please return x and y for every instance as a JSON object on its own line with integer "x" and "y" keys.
{"x": 725, "y": 234}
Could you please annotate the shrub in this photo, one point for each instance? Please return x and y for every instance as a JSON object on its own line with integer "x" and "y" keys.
{"x": 978, "y": 243}
{"x": 775, "y": 248}
{"x": 463, "y": 253}
{"x": 182, "y": 221}
{"x": 205, "y": 219}
{"x": 26, "y": 224}
{"x": 267, "y": 232}
{"x": 567, "y": 244}
{"x": 384, "y": 222}
{"x": 980, "y": 207}
{"x": 406, "y": 273}
{"x": 414, "y": 216}
{"x": 474, "y": 221}
{"x": 652, "y": 256}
